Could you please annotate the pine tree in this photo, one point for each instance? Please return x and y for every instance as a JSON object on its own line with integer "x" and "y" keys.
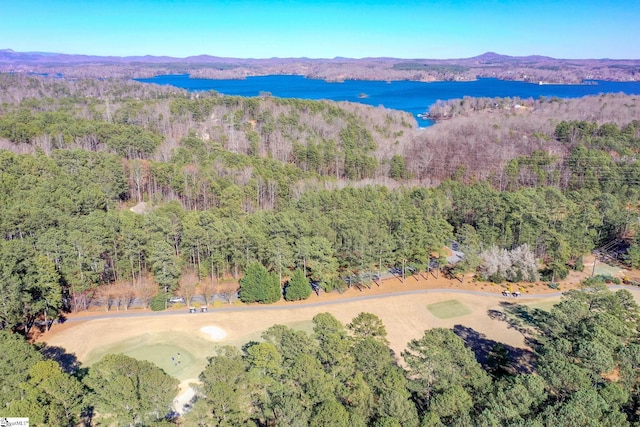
{"x": 259, "y": 285}
{"x": 297, "y": 287}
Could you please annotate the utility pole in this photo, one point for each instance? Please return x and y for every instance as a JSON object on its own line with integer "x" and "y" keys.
{"x": 403, "y": 262}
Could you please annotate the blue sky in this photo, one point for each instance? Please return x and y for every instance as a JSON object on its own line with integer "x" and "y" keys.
{"x": 324, "y": 29}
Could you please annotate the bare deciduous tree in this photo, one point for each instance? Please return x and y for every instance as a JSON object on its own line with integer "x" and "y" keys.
{"x": 146, "y": 290}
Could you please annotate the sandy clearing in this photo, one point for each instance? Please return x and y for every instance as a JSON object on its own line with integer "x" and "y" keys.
{"x": 186, "y": 393}
{"x": 215, "y": 333}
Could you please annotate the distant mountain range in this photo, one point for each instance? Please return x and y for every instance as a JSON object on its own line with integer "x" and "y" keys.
{"x": 490, "y": 64}
{"x": 9, "y": 55}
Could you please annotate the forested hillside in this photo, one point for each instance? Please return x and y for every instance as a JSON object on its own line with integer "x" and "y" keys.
{"x": 113, "y": 192}
{"x": 477, "y": 137}
{"x": 334, "y": 190}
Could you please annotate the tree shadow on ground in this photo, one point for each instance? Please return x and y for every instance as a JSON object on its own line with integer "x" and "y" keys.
{"x": 68, "y": 362}
{"x": 528, "y": 316}
{"x": 522, "y": 318}
{"x": 520, "y": 360}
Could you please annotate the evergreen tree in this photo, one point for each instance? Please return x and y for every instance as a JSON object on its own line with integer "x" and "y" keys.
{"x": 224, "y": 397}
{"x": 297, "y": 287}
{"x": 259, "y": 285}
{"x": 16, "y": 358}
{"x": 49, "y": 397}
{"x": 130, "y": 391}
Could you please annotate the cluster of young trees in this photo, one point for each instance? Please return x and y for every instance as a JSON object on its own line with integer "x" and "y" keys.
{"x": 260, "y": 285}
{"x": 516, "y": 265}
{"x": 583, "y": 371}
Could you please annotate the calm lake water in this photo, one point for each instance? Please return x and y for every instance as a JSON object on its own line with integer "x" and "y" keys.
{"x": 414, "y": 97}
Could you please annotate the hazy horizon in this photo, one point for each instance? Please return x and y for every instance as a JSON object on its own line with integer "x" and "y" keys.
{"x": 319, "y": 30}
{"x": 291, "y": 57}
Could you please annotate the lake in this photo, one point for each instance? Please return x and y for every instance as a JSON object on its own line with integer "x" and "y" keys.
{"x": 413, "y": 97}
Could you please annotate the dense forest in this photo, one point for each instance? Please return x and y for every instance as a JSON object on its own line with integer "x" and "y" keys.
{"x": 113, "y": 192}
{"x": 585, "y": 373}
{"x": 217, "y": 183}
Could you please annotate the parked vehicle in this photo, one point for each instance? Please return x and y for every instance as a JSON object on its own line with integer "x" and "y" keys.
{"x": 511, "y": 294}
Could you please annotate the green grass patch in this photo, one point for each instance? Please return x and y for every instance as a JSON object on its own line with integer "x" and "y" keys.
{"x": 159, "y": 348}
{"x": 543, "y": 305}
{"x": 603, "y": 269}
{"x": 302, "y": 325}
{"x": 448, "y": 309}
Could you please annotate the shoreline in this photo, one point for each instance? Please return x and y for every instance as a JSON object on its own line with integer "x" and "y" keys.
{"x": 343, "y": 79}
